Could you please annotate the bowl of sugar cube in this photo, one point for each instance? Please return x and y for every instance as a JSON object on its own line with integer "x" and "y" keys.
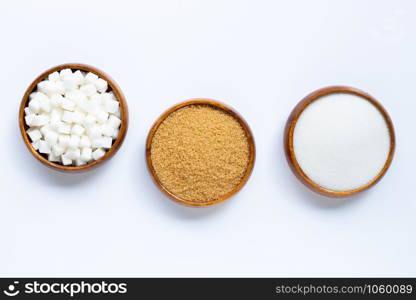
{"x": 73, "y": 117}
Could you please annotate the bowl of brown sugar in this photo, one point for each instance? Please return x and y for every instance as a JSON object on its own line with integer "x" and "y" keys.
{"x": 200, "y": 152}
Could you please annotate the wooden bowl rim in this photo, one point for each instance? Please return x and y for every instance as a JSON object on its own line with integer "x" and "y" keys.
{"x": 218, "y": 105}
{"x": 123, "y": 108}
{"x": 291, "y": 124}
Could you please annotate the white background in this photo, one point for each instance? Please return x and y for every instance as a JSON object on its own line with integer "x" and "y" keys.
{"x": 260, "y": 57}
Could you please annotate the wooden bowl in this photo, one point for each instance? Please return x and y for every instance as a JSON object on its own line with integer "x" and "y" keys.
{"x": 112, "y": 86}
{"x": 290, "y": 127}
{"x": 203, "y": 101}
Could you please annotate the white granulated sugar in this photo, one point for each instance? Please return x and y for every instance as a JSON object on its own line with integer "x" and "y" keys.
{"x": 72, "y": 118}
{"x": 341, "y": 141}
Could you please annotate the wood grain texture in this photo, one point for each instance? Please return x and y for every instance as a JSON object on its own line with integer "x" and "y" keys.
{"x": 112, "y": 87}
{"x": 203, "y": 101}
{"x": 290, "y": 127}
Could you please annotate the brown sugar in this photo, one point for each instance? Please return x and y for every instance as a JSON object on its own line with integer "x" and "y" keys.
{"x": 200, "y": 152}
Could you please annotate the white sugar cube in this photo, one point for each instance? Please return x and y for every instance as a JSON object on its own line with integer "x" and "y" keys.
{"x": 89, "y": 89}
{"x": 106, "y": 142}
{"x": 56, "y": 100}
{"x": 101, "y": 85}
{"x": 107, "y": 129}
{"x": 56, "y": 113}
{"x": 52, "y": 157}
{"x": 65, "y": 160}
{"x": 111, "y": 94}
{"x": 69, "y": 83}
{"x": 98, "y": 153}
{"x": 63, "y": 140}
{"x": 73, "y": 153}
{"x": 32, "y": 95}
{"x": 102, "y": 116}
{"x": 65, "y": 73}
{"x": 76, "y": 96}
{"x": 42, "y": 86}
{"x": 40, "y": 96}
{"x": 79, "y": 77}
{"x": 44, "y": 147}
{"x": 96, "y": 142}
{"x": 67, "y": 117}
{"x": 115, "y": 133}
{"x": 111, "y": 106}
{"x": 54, "y": 76}
{"x": 78, "y": 117}
{"x": 51, "y": 137}
{"x": 86, "y": 154}
{"x": 114, "y": 121}
{"x": 84, "y": 105}
{"x": 29, "y": 119}
{"x": 35, "y": 145}
{"x": 55, "y": 124}
{"x": 94, "y": 132}
{"x": 74, "y": 141}
{"x": 77, "y": 129}
{"x": 64, "y": 128}
{"x": 56, "y": 116}
{"x": 40, "y": 120}
{"x": 92, "y": 108}
{"x": 34, "y": 105}
{"x": 96, "y": 99}
{"x": 57, "y": 149}
{"x": 87, "y": 106}
{"x": 34, "y": 134}
{"x": 80, "y": 162}
{"x": 52, "y": 87}
{"x": 45, "y": 129}
{"x": 59, "y": 87}
{"x": 90, "y": 120}
{"x": 90, "y": 78}
{"x": 108, "y": 96}
{"x": 28, "y": 111}
{"x": 102, "y": 142}
{"x": 45, "y": 104}
{"x": 68, "y": 104}
{"x": 95, "y": 104}
{"x": 85, "y": 141}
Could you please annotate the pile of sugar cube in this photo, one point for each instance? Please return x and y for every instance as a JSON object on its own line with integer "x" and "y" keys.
{"x": 72, "y": 118}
